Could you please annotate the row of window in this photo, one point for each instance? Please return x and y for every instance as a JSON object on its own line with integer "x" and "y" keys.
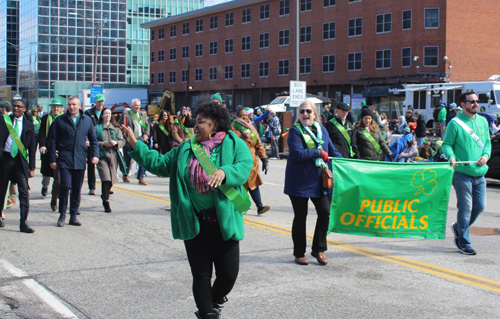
{"x": 355, "y": 26}
{"x": 383, "y": 60}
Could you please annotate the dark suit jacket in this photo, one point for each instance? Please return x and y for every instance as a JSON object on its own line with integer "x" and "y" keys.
{"x": 28, "y": 140}
{"x": 92, "y": 114}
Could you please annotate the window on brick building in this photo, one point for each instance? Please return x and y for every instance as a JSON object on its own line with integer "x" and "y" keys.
{"x": 161, "y": 33}
{"x": 264, "y": 40}
{"x": 161, "y": 55}
{"x": 264, "y": 69}
{"x": 229, "y": 46}
{"x": 152, "y": 56}
{"x": 214, "y": 22}
{"x": 407, "y": 20}
{"x": 161, "y": 79}
{"x": 355, "y": 1}
{"x": 198, "y": 50}
{"x": 172, "y": 77}
{"x": 264, "y": 11}
{"x": 329, "y": 31}
{"x": 431, "y": 56}
{"x": 354, "y": 61}
{"x": 212, "y": 73}
{"x": 173, "y": 31}
{"x": 245, "y": 71}
{"x": 355, "y": 27}
{"x": 229, "y": 19}
{"x": 152, "y": 35}
{"x": 184, "y": 76}
{"x": 305, "y": 65}
{"x": 431, "y": 18}
{"x": 173, "y": 54}
{"x": 283, "y": 67}
{"x": 405, "y": 57}
{"x": 383, "y": 59}
{"x": 246, "y": 15}
{"x": 305, "y": 5}
{"x": 185, "y": 52}
{"x": 284, "y": 37}
{"x": 284, "y": 7}
{"x": 228, "y": 72}
{"x": 328, "y": 3}
{"x": 152, "y": 78}
{"x": 245, "y": 43}
{"x": 384, "y": 23}
{"x": 328, "y": 63}
{"x": 305, "y": 34}
{"x": 198, "y": 75}
{"x": 199, "y": 25}
{"x": 185, "y": 28}
{"x": 213, "y": 48}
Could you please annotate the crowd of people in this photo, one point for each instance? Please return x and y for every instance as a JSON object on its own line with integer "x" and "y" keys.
{"x": 215, "y": 158}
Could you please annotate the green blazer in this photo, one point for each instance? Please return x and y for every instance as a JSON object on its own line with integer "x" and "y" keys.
{"x": 236, "y": 162}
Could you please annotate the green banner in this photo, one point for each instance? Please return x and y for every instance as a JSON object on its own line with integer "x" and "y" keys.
{"x": 385, "y": 199}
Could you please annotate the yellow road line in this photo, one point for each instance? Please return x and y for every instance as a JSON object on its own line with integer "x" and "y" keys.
{"x": 425, "y": 267}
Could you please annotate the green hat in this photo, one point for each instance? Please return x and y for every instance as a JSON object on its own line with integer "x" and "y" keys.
{"x": 217, "y": 97}
{"x": 55, "y": 102}
{"x": 424, "y": 141}
{"x": 363, "y": 103}
{"x": 99, "y": 97}
{"x": 407, "y": 129}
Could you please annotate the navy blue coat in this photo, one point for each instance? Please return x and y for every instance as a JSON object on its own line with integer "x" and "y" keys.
{"x": 70, "y": 142}
{"x": 27, "y": 138}
{"x": 302, "y": 177}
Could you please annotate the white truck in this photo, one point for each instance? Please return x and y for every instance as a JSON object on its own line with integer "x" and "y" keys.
{"x": 117, "y": 98}
{"x": 425, "y": 97}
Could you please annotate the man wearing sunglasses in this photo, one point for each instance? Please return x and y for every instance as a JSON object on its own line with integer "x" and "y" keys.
{"x": 467, "y": 139}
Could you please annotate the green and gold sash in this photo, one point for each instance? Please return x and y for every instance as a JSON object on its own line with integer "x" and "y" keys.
{"x": 15, "y": 136}
{"x": 247, "y": 130}
{"x": 188, "y": 132}
{"x": 307, "y": 137}
{"x": 162, "y": 128}
{"x": 241, "y": 202}
{"x": 344, "y": 132}
{"x": 372, "y": 140}
{"x": 144, "y": 126}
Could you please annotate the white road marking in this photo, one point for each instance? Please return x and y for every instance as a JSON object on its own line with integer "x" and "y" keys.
{"x": 38, "y": 290}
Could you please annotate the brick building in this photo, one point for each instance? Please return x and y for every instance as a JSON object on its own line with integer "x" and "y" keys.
{"x": 245, "y": 48}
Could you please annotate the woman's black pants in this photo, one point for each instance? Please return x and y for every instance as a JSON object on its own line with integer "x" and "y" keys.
{"x": 299, "y": 205}
{"x": 206, "y": 249}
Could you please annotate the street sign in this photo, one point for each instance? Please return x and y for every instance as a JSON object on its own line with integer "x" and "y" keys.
{"x": 17, "y": 96}
{"x": 95, "y": 88}
{"x": 297, "y": 93}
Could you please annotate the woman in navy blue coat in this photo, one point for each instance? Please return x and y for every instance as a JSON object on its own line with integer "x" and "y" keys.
{"x": 309, "y": 148}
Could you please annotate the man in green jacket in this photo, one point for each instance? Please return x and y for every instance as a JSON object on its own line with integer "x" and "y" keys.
{"x": 467, "y": 140}
{"x": 442, "y": 119}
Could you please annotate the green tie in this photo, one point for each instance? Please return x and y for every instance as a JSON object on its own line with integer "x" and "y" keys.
{"x": 13, "y": 149}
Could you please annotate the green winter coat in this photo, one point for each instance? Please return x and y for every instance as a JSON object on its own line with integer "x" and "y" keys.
{"x": 236, "y": 162}
{"x": 366, "y": 149}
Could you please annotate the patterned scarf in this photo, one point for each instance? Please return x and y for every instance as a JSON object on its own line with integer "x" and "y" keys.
{"x": 244, "y": 124}
{"x": 319, "y": 140}
{"x": 199, "y": 178}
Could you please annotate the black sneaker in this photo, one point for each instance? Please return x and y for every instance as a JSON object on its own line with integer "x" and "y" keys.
{"x": 455, "y": 235}
{"x": 466, "y": 250}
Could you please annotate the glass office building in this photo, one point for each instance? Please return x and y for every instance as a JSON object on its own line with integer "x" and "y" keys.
{"x": 58, "y": 40}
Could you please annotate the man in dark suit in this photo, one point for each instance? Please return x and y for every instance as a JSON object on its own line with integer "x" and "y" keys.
{"x": 68, "y": 137}
{"x": 94, "y": 114}
{"x": 17, "y": 159}
{"x": 138, "y": 121}
{"x": 342, "y": 133}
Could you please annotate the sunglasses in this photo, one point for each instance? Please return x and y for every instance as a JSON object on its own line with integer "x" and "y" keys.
{"x": 302, "y": 111}
{"x": 473, "y": 101}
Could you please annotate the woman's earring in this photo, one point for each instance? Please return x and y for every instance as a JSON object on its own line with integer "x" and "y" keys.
{"x": 211, "y": 136}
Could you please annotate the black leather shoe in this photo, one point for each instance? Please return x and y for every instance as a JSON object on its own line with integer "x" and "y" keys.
{"x": 53, "y": 205}
{"x": 107, "y": 209}
{"x": 44, "y": 192}
{"x": 111, "y": 192}
{"x": 61, "y": 221}
{"x": 75, "y": 222}
{"x": 26, "y": 229}
{"x": 2, "y": 223}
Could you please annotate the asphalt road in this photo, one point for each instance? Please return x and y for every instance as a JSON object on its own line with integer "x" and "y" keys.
{"x": 126, "y": 264}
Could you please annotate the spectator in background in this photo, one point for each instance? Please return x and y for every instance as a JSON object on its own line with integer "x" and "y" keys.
{"x": 421, "y": 130}
{"x": 426, "y": 151}
{"x": 275, "y": 132}
{"x": 410, "y": 152}
{"x": 217, "y": 98}
{"x": 442, "y": 120}
{"x": 41, "y": 113}
{"x": 382, "y": 120}
{"x": 451, "y": 113}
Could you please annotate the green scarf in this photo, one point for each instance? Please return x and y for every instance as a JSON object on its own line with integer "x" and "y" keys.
{"x": 311, "y": 138}
{"x": 50, "y": 119}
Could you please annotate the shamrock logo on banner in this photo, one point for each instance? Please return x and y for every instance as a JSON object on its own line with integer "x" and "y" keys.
{"x": 425, "y": 181}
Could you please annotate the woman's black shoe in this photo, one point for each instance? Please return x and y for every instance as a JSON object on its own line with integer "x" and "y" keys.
{"x": 107, "y": 209}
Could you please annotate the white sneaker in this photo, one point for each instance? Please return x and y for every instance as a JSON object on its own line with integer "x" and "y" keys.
{"x": 273, "y": 158}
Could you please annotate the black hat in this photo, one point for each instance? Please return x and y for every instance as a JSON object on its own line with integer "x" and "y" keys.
{"x": 366, "y": 111}
{"x": 343, "y": 106}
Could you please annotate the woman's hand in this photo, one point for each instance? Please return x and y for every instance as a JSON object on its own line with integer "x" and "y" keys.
{"x": 324, "y": 156}
{"x": 217, "y": 178}
{"x": 129, "y": 135}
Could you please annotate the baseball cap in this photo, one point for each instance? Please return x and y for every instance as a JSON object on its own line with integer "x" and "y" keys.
{"x": 99, "y": 97}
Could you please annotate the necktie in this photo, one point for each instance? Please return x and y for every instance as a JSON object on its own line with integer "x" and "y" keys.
{"x": 13, "y": 150}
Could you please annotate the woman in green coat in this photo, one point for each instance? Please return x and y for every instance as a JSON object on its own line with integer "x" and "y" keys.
{"x": 368, "y": 139}
{"x": 201, "y": 214}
